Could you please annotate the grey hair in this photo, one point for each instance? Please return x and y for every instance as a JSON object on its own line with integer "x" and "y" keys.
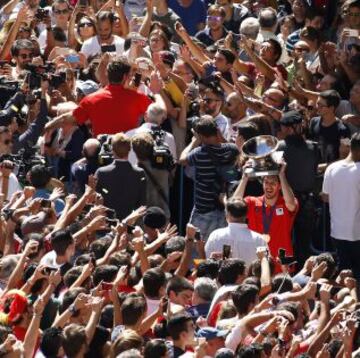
{"x": 250, "y": 27}
{"x": 155, "y": 113}
{"x": 130, "y": 353}
{"x": 205, "y": 288}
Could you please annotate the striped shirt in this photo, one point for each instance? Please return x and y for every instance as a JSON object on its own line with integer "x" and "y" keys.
{"x": 206, "y": 190}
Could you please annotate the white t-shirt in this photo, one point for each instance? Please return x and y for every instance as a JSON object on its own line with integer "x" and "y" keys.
{"x": 342, "y": 184}
{"x": 243, "y": 242}
{"x": 92, "y": 47}
{"x": 146, "y": 128}
{"x": 49, "y": 260}
{"x": 13, "y": 187}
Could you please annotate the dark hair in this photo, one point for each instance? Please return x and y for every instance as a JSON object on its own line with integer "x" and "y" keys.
{"x": 57, "y": 2}
{"x": 99, "y": 247}
{"x": 105, "y": 15}
{"x": 230, "y": 270}
{"x": 277, "y": 48}
{"x": 313, "y": 12}
{"x": 72, "y": 275}
{"x": 22, "y": 44}
{"x": 331, "y": 97}
{"x": 254, "y": 350}
{"x": 206, "y": 126}
{"x": 253, "y": 280}
{"x": 176, "y": 243}
{"x": 281, "y": 283}
{"x": 59, "y": 34}
{"x": 229, "y": 56}
{"x": 208, "y": 268}
{"x": 60, "y": 241}
{"x": 132, "y": 309}
{"x": 117, "y": 70}
{"x": 268, "y": 19}
{"x": 100, "y": 338}
{"x": 248, "y": 130}
{"x": 330, "y": 264}
{"x": 153, "y": 280}
{"x": 29, "y": 271}
{"x": 255, "y": 267}
{"x": 355, "y": 142}
{"x": 178, "y": 324}
{"x": 292, "y": 307}
{"x": 237, "y": 208}
{"x": 178, "y": 285}
{"x": 155, "y": 348}
{"x": 243, "y": 297}
{"x": 70, "y": 297}
{"x": 39, "y": 176}
{"x": 105, "y": 273}
{"x": 157, "y": 25}
{"x": 51, "y": 341}
{"x": 310, "y": 33}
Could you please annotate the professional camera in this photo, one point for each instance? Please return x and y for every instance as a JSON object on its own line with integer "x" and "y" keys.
{"x": 105, "y": 156}
{"x": 161, "y": 156}
{"x": 7, "y": 90}
{"x": 41, "y": 14}
{"x": 24, "y": 161}
{"x": 44, "y": 72}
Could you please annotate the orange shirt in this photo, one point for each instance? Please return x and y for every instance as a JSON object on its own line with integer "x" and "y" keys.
{"x": 280, "y": 226}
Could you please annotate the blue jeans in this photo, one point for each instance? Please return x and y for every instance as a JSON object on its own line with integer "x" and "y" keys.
{"x": 207, "y": 222}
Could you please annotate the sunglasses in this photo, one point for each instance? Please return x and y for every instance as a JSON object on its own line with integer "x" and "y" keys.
{"x": 86, "y": 24}
{"x": 26, "y": 55}
{"x": 299, "y": 49}
{"x": 214, "y": 18}
{"x": 210, "y": 100}
{"x": 59, "y": 12}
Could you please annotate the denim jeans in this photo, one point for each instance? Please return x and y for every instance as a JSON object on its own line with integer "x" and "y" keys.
{"x": 208, "y": 222}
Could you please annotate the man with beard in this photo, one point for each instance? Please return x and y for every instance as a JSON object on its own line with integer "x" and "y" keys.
{"x": 211, "y": 104}
{"x": 235, "y": 110}
{"x": 104, "y": 41}
{"x": 22, "y": 52}
{"x": 272, "y": 214}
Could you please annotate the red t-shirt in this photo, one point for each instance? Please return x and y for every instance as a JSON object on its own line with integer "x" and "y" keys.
{"x": 281, "y": 223}
{"x": 112, "y": 109}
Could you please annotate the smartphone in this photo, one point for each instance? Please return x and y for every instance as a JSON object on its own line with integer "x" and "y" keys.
{"x": 108, "y": 48}
{"x": 166, "y": 304}
{"x": 47, "y": 270}
{"x": 46, "y": 203}
{"x": 111, "y": 214}
{"x": 72, "y": 58}
{"x": 197, "y": 236}
{"x": 137, "y": 79}
{"x": 130, "y": 229}
{"x": 3, "y": 63}
{"x": 285, "y": 260}
{"x": 353, "y": 33}
{"x": 226, "y": 252}
{"x": 83, "y": 3}
{"x": 111, "y": 222}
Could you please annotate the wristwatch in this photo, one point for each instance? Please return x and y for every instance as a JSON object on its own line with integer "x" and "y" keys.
{"x": 72, "y": 309}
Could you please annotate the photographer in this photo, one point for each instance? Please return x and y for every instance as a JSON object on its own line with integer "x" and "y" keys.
{"x": 207, "y": 154}
{"x": 157, "y": 188}
{"x": 22, "y": 52}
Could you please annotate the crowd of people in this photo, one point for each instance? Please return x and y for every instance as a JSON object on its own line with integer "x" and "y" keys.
{"x": 136, "y": 219}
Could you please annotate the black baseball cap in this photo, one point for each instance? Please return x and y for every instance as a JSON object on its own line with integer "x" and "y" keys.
{"x": 291, "y": 118}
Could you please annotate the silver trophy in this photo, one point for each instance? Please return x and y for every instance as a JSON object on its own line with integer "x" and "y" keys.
{"x": 264, "y": 159}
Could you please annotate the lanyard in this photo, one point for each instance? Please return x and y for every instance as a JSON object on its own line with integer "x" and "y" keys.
{"x": 266, "y": 219}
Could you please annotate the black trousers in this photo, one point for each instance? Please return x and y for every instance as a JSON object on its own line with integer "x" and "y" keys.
{"x": 304, "y": 228}
{"x": 348, "y": 256}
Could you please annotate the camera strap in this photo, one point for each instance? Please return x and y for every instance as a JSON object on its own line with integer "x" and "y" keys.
{"x": 266, "y": 219}
{"x": 155, "y": 183}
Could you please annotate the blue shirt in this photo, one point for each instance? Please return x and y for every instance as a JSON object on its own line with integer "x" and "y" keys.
{"x": 206, "y": 188}
{"x": 45, "y": 194}
{"x": 190, "y": 16}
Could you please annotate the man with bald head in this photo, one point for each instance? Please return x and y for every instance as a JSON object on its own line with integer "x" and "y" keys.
{"x": 86, "y": 166}
{"x": 235, "y": 110}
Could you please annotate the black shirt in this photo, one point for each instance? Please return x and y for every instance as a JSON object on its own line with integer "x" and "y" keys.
{"x": 302, "y": 158}
{"x": 328, "y": 138}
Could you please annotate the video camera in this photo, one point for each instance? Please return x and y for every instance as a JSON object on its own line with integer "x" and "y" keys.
{"x": 24, "y": 161}
{"x": 37, "y": 73}
{"x": 105, "y": 156}
{"x": 161, "y": 157}
{"x": 7, "y": 90}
